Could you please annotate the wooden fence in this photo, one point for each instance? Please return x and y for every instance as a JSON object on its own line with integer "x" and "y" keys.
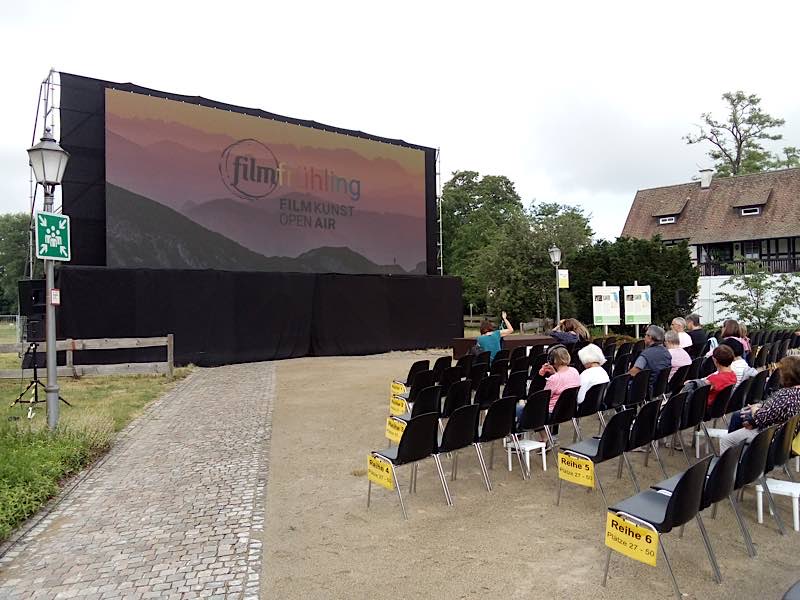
{"x": 70, "y": 346}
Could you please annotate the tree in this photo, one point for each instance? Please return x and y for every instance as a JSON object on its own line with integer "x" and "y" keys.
{"x": 760, "y": 299}
{"x": 14, "y": 232}
{"x": 666, "y": 269}
{"x": 737, "y": 141}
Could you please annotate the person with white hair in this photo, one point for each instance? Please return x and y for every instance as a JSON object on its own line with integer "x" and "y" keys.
{"x": 679, "y": 327}
{"x": 591, "y": 356}
{"x": 680, "y": 358}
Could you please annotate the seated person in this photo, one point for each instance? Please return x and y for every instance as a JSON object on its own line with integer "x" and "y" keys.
{"x": 780, "y": 406}
{"x": 489, "y": 339}
{"x": 724, "y": 376}
{"x": 679, "y": 326}
{"x": 739, "y": 365}
{"x": 680, "y": 358}
{"x": 592, "y": 358}
{"x": 695, "y": 331}
{"x": 654, "y": 357}
{"x": 569, "y": 331}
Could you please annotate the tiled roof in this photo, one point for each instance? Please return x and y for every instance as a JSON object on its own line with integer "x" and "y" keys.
{"x": 713, "y": 214}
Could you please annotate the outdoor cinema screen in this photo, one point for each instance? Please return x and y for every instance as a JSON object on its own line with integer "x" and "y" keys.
{"x": 191, "y": 186}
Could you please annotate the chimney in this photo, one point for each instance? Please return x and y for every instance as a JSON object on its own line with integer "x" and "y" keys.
{"x": 705, "y": 178}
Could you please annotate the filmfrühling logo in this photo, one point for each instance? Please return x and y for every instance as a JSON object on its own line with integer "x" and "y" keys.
{"x": 250, "y": 170}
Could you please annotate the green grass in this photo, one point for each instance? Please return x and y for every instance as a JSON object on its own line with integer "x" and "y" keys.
{"x": 35, "y": 462}
{"x": 8, "y": 333}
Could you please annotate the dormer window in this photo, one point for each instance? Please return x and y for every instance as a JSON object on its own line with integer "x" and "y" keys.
{"x": 666, "y": 220}
{"x": 751, "y": 211}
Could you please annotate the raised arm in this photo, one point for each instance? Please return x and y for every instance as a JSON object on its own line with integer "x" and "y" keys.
{"x": 508, "y": 327}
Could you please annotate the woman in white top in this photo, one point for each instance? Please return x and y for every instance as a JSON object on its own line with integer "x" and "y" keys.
{"x": 592, "y": 358}
{"x": 680, "y": 357}
{"x": 679, "y": 327}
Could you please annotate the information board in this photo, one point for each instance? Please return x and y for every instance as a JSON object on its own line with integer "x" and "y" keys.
{"x": 637, "y": 304}
{"x": 605, "y": 304}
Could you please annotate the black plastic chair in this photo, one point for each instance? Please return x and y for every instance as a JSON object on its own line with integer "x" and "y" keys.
{"x": 616, "y": 392}
{"x": 761, "y": 357}
{"x": 677, "y": 380}
{"x": 668, "y": 423}
{"x": 694, "y": 409}
{"x": 517, "y": 385}
{"x": 420, "y": 365}
{"x": 534, "y": 413}
{"x": 465, "y": 362}
{"x": 520, "y": 363}
{"x": 500, "y": 367}
{"x": 773, "y": 383}
{"x": 418, "y": 443}
{"x": 518, "y": 352}
{"x": 638, "y": 348}
{"x": 751, "y": 470}
{"x": 488, "y": 391}
{"x": 621, "y": 364}
{"x": 639, "y": 388}
{"x": 459, "y": 394}
{"x": 718, "y": 408}
{"x": 757, "y": 386}
{"x": 448, "y": 377}
{"x": 659, "y": 390}
{"x": 482, "y": 358}
{"x": 610, "y": 348}
{"x": 477, "y": 374}
{"x": 739, "y": 396}
{"x": 696, "y": 350}
{"x": 774, "y": 351}
{"x": 421, "y": 380}
{"x": 536, "y": 361}
{"x": 501, "y": 355}
{"x": 590, "y": 406}
{"x": 694, "y": 368}
{"x": 781, "y": 449}
{"x": 663, "y": 512}
{"x": 625, "y": 348}
{"x": 442, "y": 363}
{"x": 461, "y": 431}
{"x": 427, "y": 400}
{"x": 642, "y": 433}
{"x": 707, "y": 367}
{"x": 564, "y": 410}
{"x": 608, "y": 446}
{"x": 497, "y": 425}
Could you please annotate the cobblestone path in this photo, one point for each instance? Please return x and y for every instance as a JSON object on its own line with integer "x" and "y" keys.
{"x": 175, "y": 510}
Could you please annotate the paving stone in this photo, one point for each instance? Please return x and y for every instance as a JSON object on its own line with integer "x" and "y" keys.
{"x": 174, "y": 510}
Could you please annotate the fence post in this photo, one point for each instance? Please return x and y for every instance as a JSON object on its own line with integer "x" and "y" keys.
{"x": 70, "y": 361}
{"x": 170, "y": 354}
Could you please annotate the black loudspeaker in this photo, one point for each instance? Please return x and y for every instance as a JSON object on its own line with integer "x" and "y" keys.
{"x": 32, "y": 297}
{"x": 680, "y": 297}
{"x": 35, "y": 329}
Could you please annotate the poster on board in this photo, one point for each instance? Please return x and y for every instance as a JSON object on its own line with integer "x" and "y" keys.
{"x": 605, "y": 304}
{"x": 637, "y": 304}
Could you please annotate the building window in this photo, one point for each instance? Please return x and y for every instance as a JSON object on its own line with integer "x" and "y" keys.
{"x": 666, "y": 220}
{"x": 750, "y": 249}
{"x": 753, "y": 210}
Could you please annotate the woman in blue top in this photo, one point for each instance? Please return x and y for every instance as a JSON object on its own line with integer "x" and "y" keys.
{"x": 569, "y": 331}
{"x": 489, "y": 339}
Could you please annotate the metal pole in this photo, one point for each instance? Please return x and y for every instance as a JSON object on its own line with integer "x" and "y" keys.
{"x": 51, "y": 389}
{"x": 558, "y": 302}
{"x": 605, "y": 327}
{"x": 636, "y": 284}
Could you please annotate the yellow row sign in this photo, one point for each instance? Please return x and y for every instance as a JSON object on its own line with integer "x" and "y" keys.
{"x": 395, "y": 429}
{"x": 397, "y": 406}
{"x": 379, "y": 471}
{"x": 398, "y": 388}
{"x": 576, "y": 470}
{"x": 634, "y": 541}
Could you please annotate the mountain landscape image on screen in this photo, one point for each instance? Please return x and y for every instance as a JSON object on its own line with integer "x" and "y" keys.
{"x": 167, "y": 205}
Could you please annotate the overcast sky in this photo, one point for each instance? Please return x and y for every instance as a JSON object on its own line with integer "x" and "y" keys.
{"x": 580, "y": 103}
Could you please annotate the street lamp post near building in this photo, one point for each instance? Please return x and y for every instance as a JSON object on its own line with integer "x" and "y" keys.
{"x": 49, "y": 161}
{"x": 555, "y": 260}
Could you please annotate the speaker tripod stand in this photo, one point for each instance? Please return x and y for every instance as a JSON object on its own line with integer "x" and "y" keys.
{"x": 30, "y": 355}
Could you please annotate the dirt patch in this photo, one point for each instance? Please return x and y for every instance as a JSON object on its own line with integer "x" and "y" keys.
{"x": 321, "y": 541}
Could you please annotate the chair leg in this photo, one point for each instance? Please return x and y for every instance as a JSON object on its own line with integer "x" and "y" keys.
{"x": 399, "y": 493}
{"x": 454, "y": 469}
{"x": 669, "y": 568}
{"x": 558, "y": 492}
{"x": 442, "y": 478}
{"x": 526, "y": 474}
{"x": 578, "y": 435}
{"x": 600, "y": 487}
{"x": 660, "y": 462}
{"x": 608, "y": 562}
{"x": 483, "y": 466}
{"x": 709, "y": 440}
{"x": 773, "y": 507}
{"x": 369, "y": 490}
{"x": 633, "y": 475}
{"x": 748, "y": 541}
{"x": 709, "y": 549}
{"x": 683, "y": 448}
{"x": 619, "y": 466}
{"x": 491, "y": 455}
{"x": 788, "y": 472}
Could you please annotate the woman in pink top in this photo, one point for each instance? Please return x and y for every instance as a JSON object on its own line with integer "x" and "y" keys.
{"x": 560, "y": 375}
{"x": 680, "y": 357}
